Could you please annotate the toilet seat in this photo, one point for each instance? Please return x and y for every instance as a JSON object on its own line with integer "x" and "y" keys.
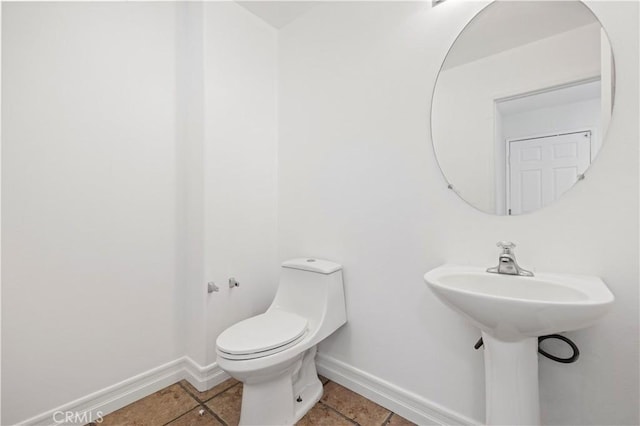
{"x": 262, "y": 335}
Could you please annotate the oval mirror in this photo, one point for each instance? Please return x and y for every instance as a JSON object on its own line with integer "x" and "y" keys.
{"x": 522, "y": 103}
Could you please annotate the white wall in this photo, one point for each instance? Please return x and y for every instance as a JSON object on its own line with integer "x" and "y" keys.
{"x": 89, "y": 191}
{"x": 0, "y": 207}
{"x": 583, "y": 115}
{"x": 464, "y": 102}
{"x": 240, "y": 157}
{"x": 140, "y": 162}
{"x": 228, "y": 152}
{"x": 190, "y": 164}
{"x": 359, "y": 184}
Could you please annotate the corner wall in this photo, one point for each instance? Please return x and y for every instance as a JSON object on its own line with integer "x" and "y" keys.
{"x": 139, "y": 162}
{"x": 228, "y": 150}
{"x": 240, "y": 156}
{"x": 359, "y": 184}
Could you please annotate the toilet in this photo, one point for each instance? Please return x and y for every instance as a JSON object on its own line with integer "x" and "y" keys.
{"x": 273, "y": 354}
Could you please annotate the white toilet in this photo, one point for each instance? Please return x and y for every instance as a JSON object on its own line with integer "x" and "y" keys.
{"x": 273, "y": 354}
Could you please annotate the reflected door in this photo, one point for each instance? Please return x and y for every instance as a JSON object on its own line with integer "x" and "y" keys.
{"x": 542, "y": 168}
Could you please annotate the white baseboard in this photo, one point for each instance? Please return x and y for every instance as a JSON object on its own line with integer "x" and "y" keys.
{"x": 409, "y": 405}
{"x": 203, "y": 378}
{"x": 93, "y": 406}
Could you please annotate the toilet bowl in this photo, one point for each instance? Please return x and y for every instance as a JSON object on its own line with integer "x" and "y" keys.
{"x": 273, "y": 354}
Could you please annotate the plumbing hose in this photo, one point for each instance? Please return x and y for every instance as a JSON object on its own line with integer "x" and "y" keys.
{"x": 571, "y": 359}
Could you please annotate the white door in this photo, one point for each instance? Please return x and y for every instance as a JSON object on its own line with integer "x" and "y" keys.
{"x": 542, "y": 168}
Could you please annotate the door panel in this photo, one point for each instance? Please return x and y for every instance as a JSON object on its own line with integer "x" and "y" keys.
{"x": 541, "y": 169}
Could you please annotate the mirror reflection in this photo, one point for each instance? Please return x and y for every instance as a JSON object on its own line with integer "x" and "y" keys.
{"x": 522, "y": 103}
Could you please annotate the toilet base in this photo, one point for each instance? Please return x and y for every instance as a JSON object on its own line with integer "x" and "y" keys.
{"x": 284, "y": 398}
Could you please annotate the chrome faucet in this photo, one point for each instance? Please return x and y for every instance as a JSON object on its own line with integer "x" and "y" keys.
{"x": 507, "y": 261}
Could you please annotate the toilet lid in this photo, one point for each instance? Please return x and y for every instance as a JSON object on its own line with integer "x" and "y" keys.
{"x": 262, "y": 333}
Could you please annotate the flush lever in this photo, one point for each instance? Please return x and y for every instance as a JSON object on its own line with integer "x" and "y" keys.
{"x": 233, "y": 283}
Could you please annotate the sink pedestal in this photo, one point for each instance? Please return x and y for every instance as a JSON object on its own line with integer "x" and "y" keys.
{"x": 511, "y": 381}
{"x": 512, "y": 311}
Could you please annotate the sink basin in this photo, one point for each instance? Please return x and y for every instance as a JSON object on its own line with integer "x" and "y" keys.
{"x": 511, "y": 307}
{"x": 512, "y": 311}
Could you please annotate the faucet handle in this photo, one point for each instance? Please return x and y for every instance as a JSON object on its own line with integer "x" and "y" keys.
{"x": 506, "y": 246}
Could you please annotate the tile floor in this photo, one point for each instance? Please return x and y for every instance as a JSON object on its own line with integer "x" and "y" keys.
{"x": 182, "y": 405}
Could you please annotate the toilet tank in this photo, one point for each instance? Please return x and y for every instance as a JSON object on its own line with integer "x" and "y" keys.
{"x": 313, "y": 288}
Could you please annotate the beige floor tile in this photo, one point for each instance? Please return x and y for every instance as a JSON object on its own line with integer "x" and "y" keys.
{"x": 156, "y": 409}
{"x": 207, "y": 395}
{"x": 194, "y": 418}
{"x": 396, "y": 420}
{"x": 321, "y": 415}
{"x": 354, "y": 406}
{"x": 227, "y": 405}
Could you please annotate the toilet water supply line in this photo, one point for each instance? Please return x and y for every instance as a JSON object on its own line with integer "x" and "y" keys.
{"x": 571, "y": 359}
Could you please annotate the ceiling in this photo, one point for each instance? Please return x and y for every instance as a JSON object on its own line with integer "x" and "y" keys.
{"x": 508, "y": 24}
{"x": 277, "y": 13}
{"x": 501, "y": 26}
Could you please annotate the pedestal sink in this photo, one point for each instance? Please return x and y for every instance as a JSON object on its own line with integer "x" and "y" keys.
{"x": 512, "y": 311}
